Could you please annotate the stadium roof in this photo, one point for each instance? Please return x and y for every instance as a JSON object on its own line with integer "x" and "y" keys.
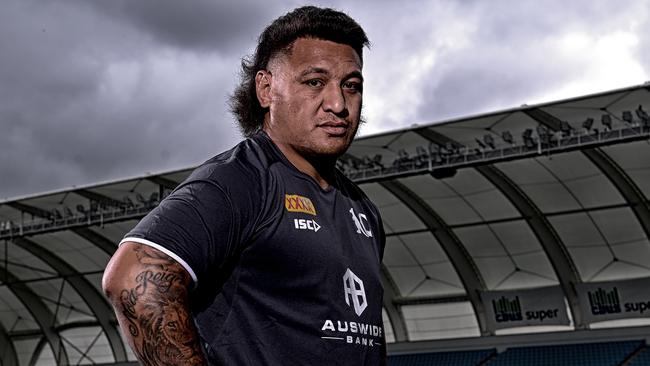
{"x": 554, "y": 194}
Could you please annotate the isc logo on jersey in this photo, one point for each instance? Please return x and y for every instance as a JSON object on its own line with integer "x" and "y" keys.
{"x": 304, "y": 224}
{"x": 296, "y": 203}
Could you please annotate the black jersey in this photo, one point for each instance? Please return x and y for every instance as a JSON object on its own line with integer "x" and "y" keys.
{"x": 286, "y": 273}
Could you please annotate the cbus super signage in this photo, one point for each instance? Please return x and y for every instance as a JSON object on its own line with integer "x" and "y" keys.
{"x": 600, "y": 301}
{"x": 540, "y": 306}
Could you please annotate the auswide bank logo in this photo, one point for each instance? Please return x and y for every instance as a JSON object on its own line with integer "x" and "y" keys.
{"x": 351, "y": 331}
{"x": 604, "y": 302}
{"x": 507, "y": 310}
{"x": 354, "y": 292}
{"x": 296, "y": 203}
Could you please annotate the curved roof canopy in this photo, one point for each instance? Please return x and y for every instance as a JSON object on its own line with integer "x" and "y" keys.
{"x": 546, "y": 196}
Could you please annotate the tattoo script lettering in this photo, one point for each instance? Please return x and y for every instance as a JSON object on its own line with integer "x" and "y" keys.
{"x": 157, "y": 315}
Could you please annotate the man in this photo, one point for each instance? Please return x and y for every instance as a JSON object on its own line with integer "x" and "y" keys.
{"x": 266, "y": 254}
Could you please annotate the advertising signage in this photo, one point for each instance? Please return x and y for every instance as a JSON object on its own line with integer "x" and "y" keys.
{"x": 600, "y": 301}
{"x": 539, "y": 306}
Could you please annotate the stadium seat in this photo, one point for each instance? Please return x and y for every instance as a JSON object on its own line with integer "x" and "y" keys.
{"x": 460, "y": 358}
{"x": 591, "y": 354}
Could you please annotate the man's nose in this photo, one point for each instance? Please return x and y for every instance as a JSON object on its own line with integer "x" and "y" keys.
{"x": 334, "y": 100}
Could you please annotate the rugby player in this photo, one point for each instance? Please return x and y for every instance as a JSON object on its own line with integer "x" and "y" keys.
{"x": 266, "y": 254}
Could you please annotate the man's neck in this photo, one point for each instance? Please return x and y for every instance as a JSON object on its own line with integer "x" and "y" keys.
{"x": 320, "y": 169}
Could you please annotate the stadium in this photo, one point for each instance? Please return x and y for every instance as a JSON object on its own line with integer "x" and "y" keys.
{"x": 516, "y": 237}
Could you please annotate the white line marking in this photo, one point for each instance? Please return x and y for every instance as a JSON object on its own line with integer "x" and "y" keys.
{"x": 332, "y": 338}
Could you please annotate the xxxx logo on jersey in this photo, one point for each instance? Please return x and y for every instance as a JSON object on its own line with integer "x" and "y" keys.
{"x": 296, "y": 203}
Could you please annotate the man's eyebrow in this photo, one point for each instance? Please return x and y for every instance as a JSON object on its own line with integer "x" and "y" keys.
{"x": 354, "y": 74}
{"x": 320, "y": 70}
{"x": 314, "y": 70}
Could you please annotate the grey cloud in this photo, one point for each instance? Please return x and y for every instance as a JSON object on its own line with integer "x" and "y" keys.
{"x": 81, "y": 101}
{"x": 508, "y": 61}
{"x": 98, "y": 90}
{"x": 202, "y": 25}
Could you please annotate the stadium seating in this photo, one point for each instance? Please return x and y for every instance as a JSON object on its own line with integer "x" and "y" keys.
{"x": 592, "y": 354}
{"x": 461, "y": 358}
{"x": 640, "y": 359}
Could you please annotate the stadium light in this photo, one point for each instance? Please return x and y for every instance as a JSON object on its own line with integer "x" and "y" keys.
{"x": 366, "y": 163}
{"x": 527, "y": 137}
{"x": 566, "y": 128}
{"x": 153, "y": 197}
{"x": 543, "y": 134}
{"x": 480, "y": 143}
{"x": 606, "y": 120}
{"x": 376, "y": 160}
{"x": 643, "y": 116}
{"x": 128, "y": 202}
{"x": 627, "y": 116}
{"x": 421, "y": 152}
{"x": 587, "y": 124}
{"x": 489, "y": 141}
{"x": 140, "y": 198}
{"x": 56, "y": 214}
{"x": 507, "y": 137}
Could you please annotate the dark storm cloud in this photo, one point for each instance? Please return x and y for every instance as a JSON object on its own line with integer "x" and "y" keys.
{"x": 202, "y": 25}
{"x": 85, "y": 98}
{"x": 100, "y": 90}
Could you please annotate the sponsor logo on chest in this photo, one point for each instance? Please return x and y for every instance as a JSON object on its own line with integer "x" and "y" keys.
{"x": 296, "y": 203}
{"x": 304, "y": 224}
{"x": 353, "y": 332}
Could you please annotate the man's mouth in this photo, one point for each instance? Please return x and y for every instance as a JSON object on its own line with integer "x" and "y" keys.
{"x": 335, "y": 128}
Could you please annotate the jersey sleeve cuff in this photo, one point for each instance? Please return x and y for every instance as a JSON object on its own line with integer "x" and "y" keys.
{"x": 166, "y": 251}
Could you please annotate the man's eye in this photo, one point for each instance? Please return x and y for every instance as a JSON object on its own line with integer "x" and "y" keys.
{"x": 315, "y": 83}
{"x": 353, "y": 86}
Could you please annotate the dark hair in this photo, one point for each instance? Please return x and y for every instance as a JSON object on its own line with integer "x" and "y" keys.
{"x": 307, "y": 21}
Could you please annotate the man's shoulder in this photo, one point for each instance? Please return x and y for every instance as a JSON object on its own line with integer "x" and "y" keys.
{"x": 353, "y": 191}
{"x": 248, "y": 160}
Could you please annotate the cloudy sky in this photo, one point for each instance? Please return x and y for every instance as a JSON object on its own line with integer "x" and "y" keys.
{"x": 97, "y": 90}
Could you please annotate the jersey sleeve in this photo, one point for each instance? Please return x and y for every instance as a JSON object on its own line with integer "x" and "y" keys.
{"x": 195, "y": 225}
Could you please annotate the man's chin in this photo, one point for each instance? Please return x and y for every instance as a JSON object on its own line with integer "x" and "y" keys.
{"x": 328, "y": 152}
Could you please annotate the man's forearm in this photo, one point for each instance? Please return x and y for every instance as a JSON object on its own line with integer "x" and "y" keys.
{"x": 153, "y": 312}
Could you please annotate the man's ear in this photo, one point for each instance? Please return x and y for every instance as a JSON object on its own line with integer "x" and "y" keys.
{"x": 263, "y": 87}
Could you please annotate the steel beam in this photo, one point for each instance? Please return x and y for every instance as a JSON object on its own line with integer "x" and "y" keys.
{"x": 35, "y": 211}
{"x": 623, "y": 183}
{"x": 550, "y": 241}
{"x": 95, "y": 301}
{"x": 458, "y": 255}
{"x": 99, "y": 198}
{"x": 163, "y": 182}
{"x": 41, "y": 313}
{"x": 626, "y": 187}
{"x": 106, "y": 245}
{"x": 8, "y": 355}
{"x": 394, "y": 311}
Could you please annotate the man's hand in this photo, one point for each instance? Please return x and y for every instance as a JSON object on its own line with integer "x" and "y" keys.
{"x": 148, "y": 290}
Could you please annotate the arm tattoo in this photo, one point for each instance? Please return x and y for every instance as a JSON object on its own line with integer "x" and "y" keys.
{"x": 156, "y": 314}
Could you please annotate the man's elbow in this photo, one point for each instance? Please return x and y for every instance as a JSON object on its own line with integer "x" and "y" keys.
{"x": 116, "y": 274}
{"x": 109, "y": 284}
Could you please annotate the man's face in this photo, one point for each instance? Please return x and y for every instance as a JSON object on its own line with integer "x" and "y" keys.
{"x": 314, "y": 98}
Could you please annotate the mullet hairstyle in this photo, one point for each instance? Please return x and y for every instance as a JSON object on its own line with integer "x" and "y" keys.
{"x": 304, "y": 22}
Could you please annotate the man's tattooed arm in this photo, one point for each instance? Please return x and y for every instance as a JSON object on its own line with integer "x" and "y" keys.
{"x": 149, "y": 292}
